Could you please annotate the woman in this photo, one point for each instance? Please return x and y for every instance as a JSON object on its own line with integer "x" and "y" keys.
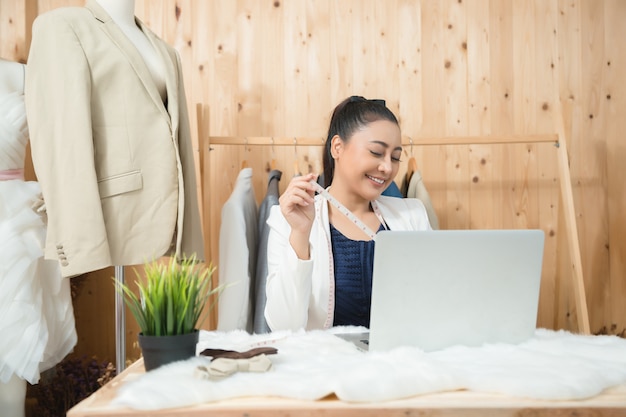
{"x": 319, "y": 259}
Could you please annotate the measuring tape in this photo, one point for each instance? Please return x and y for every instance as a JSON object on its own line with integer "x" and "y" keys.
{"x": 354, "y": 219}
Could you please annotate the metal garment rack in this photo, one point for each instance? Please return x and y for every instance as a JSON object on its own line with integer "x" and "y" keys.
{"x": 120, "y": 321}
{"x": 558, "y": 139}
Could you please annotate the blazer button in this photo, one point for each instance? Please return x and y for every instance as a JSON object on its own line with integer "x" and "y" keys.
{"x": 64, "y": 263}
{"x": 59, "y": 246}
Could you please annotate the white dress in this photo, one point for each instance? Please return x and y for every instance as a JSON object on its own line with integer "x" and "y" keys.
{"x": 37, "y": 327}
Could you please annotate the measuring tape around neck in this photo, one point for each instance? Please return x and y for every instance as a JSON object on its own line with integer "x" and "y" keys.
{"x": 351, "y": 216}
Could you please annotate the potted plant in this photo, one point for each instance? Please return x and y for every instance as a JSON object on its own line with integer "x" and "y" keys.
{"x": 172, "y": 298}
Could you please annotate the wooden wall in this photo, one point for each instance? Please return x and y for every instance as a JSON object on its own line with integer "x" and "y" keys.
{"x": 446, "y": 67}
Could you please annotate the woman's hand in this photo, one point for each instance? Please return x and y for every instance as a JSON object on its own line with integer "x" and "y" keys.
{"x": 296, "y": 204}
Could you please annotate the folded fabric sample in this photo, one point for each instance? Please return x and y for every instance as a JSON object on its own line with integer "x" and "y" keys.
{"x": 223, "y": 367}
{"x": 233, "y": 354}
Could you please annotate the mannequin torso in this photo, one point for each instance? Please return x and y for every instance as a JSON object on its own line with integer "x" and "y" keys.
{"x": 123, "y": 14}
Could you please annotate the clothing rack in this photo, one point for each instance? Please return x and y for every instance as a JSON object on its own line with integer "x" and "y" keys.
{"x": 558, "y": 139}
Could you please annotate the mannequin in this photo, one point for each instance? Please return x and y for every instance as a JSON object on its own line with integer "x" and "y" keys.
{"x": 123, "y": 13}
{"x": 36, "y": 316}
{"x": 105, "y": 100}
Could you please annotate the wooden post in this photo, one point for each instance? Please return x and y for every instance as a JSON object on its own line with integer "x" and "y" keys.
{"x": 567, "y": 199}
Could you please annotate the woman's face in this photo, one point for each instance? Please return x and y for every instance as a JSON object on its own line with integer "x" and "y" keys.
{"x": 369, "y": 160}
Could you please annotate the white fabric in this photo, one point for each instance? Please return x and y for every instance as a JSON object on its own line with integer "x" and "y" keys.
{"x": 553, "y": 365}
{"x": 36, "y": 315}
{"x": 300, "y": 294}
{"x": 237, "y": 258}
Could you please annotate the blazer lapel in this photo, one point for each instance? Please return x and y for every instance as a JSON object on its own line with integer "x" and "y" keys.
{"x": 134, "y": 57}
{"x": 171, "y": 73}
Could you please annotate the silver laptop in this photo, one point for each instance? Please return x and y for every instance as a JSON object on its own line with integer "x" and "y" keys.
{"x": 435, "y": 289}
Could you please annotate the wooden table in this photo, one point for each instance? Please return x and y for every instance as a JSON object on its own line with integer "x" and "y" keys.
{"x": 456, "y": 403}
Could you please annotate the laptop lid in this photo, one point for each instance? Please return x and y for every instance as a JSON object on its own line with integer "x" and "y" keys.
{"x": 439, "y": 288}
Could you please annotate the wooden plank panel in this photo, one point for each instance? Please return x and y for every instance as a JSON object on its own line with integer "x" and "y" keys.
{"x": 12, "y": 31}
{"x": 433, "y": 105}
{"x": 341, "y": 57}
{"x": 482, "y": 199}
{"x": 364, "y": 50}
{"x": 199, "y": 83}
{"x": 384, "y": 33}
{"x": 589, "y": 164}
{"x": 224, "y": 68}
{"x": 524, "y": 99}
{"x": 409, "y": 44}
{"x": 546, "y": 184}
{"x": 272, "y": 69}
{"x": 295, "y": 111}
{"x": 456, "y": 113}
{"x": 249, "y": 79}
{"x": 501, "y": 95}
{"x": 614, "y": 64}
{"x": 570, "y": 92}
{"x": 318, "y": 81}
{"x": 409, "y": 67}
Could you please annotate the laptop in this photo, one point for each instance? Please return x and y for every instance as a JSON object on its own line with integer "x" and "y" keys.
{"x": 440, "y": 288}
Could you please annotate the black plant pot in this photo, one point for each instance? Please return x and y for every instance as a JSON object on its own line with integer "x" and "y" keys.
{"x": 161, "y": 350}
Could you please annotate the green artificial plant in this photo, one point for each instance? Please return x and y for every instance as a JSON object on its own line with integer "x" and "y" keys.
{"x": 172, "y": 296}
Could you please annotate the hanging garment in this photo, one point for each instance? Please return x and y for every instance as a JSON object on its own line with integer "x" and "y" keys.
{"x": 115, "y": 162}
{"x": 237, "y": 256}
{"x": 271, "y": 199}
{"x": 36, "y": 315}
{"x": 417, "y": 189}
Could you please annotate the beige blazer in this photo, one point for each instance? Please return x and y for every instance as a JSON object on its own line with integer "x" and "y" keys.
{"x": 114, "y": 162}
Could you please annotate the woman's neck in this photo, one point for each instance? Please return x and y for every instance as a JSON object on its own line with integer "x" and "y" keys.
{"x": 352, "y": 202}
{"x": 121, "y": 11}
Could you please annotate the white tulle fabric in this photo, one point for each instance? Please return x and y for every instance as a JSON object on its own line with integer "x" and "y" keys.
{"x": 36, "y": 316}
{"x": 552, "y": 365}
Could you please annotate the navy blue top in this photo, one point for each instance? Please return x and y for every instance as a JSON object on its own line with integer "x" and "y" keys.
{"x": 393, "y": 191}
{"x": 354, "y": 262}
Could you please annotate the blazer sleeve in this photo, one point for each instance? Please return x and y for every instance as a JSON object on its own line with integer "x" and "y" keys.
{"x": 192, "y": 228}
{"x": 58, "y": 107}
{"x": 289, "y": 279}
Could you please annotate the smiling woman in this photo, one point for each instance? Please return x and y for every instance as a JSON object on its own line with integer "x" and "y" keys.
{"x": 319, "y": 259}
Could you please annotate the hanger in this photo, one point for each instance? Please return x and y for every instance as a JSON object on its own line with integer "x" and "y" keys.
{"x": 273, "y": 160}
{"x": 296, "y": 167}
{"x": 244, "y": 163}
{"x": 412, "y": 164}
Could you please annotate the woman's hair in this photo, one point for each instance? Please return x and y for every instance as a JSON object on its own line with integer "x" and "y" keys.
{"x": 352, "y": 114}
